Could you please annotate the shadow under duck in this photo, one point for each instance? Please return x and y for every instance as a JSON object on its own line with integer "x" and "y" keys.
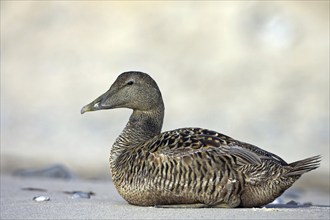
{"x": 187, "y": 167}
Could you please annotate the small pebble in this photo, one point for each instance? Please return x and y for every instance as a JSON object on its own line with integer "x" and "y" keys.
{"x": 292, "y": 202}
{"x": 80, "y": 194}
{"x": 41, "y": 198}
{"x": 34, "y": 189}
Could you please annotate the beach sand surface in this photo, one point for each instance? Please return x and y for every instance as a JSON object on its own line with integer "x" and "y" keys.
{"x": 17, "y": 202}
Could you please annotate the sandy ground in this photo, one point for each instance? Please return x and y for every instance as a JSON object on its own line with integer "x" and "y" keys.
{"x": 17, "y": 203}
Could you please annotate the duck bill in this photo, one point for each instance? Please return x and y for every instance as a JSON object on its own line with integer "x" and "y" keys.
{"x": 95, "y": 105}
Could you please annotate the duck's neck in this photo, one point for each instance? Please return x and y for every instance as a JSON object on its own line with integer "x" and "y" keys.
{"x": 142, "y": 126}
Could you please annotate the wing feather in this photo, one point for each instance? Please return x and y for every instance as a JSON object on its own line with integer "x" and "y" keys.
{"x": 189, "y": 142}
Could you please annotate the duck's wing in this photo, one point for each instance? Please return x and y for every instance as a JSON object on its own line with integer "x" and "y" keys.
{"x": 208, "y": 152}
{"x": 263, "y": 154}
{"x": 199, "y": 143}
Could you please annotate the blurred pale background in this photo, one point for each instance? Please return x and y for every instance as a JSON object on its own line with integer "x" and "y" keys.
{"x": 256, "y": 71}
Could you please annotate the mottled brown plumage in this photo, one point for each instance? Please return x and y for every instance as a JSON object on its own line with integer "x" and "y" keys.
{"x": 188, "y": 167}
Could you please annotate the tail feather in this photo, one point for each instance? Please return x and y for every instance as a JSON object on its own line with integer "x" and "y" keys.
{"x": 302, "y": 166}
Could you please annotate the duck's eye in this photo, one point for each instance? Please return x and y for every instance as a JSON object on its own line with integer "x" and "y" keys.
{"x": 130, "y": 83}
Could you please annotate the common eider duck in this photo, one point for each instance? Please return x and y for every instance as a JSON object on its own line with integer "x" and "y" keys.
{"x": 187, "y": 167}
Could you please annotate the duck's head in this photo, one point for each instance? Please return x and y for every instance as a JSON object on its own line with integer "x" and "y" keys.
{"x": 134, "y": 90}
